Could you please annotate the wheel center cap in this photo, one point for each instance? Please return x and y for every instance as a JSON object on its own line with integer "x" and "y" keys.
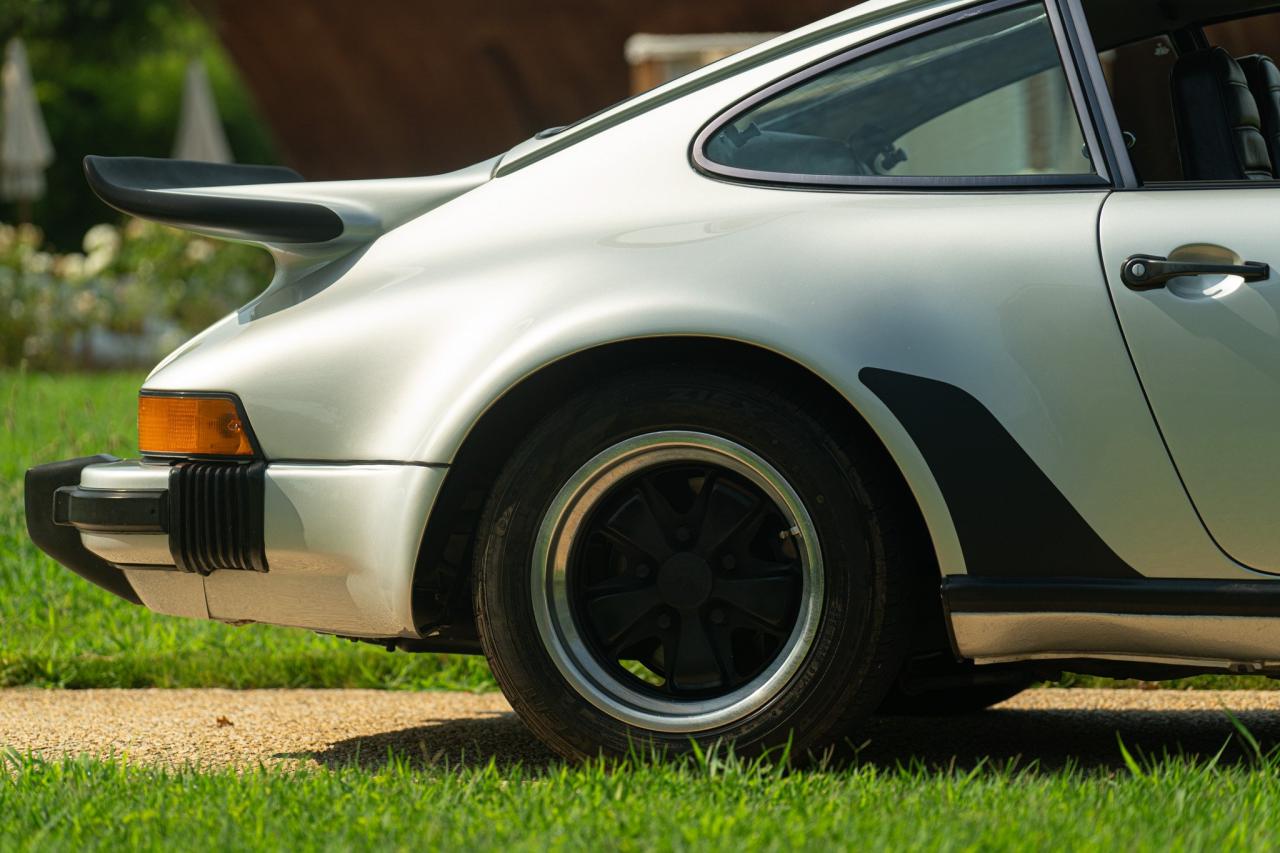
{"x": 684, "y": 581}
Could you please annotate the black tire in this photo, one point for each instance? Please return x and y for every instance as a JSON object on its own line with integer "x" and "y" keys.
{"x": 857, "y": 630}
{"x": 952, "y": 702}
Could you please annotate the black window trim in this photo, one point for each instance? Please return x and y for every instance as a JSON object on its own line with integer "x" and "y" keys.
{"x": 1100, "y": 152}
{"x": 1084, "y": 68}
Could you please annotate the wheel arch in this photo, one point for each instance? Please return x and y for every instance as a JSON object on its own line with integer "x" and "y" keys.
{"x": 441, "y": 599}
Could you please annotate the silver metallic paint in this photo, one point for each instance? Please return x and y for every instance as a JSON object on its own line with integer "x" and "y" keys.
{"x": 1208, "y": 352}
{"x": 1250, "y": 643}
{"x": 342, "y": 543}
{"x": 169, "y": 592}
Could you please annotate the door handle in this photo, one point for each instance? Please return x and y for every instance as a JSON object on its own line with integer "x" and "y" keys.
{"x": 1150, "y": 272}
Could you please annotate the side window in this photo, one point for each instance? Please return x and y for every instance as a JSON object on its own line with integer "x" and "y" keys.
{"x": 986, "y": 97}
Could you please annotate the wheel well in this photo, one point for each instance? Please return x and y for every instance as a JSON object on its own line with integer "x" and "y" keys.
{"x": 441, "y": 594}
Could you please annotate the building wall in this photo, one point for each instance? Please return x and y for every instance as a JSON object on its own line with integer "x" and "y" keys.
{"x": 392, "y": 87}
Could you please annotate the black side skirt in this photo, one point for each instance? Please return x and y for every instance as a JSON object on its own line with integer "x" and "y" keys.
{"x": 1150, "y": 596}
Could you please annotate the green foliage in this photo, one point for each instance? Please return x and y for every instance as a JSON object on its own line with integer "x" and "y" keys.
{"x": 715, "y": 802}
{"x": 156, "y": 284}
{"x": 109, "y": 77}
{"x": 58, "y": 631}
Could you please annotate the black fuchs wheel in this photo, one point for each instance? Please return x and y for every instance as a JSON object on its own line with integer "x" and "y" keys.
{"x": 686, "y": 555}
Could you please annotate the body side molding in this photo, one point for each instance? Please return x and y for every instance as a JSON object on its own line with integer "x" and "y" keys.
{"x": 1147, "y": 596}
{"x": 1203, "y": 625}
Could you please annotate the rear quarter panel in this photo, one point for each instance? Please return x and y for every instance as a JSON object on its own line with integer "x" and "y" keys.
{"x": 618, "y": 238}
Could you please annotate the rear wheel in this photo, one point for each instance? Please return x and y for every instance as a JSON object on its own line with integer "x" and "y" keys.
{"x": 677, "y": 556}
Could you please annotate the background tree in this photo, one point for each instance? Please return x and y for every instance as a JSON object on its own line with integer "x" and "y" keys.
{"x": 109, "y": 78}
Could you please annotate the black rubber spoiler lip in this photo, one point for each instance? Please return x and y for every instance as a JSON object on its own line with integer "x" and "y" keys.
{"x": 61, "y": 542}
{"x": 136, "y": 185}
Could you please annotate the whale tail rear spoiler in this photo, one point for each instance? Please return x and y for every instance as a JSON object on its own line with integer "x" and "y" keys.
{"x": 308, "y": 227}
{"x": 270, "y": 205}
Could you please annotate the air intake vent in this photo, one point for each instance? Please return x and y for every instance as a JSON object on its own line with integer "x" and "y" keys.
{"x": 216, "y": 516}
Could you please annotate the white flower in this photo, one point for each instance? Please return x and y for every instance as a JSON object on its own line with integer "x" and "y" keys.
{"x": 96, "y": 262}
{"x": 39, "y": 262}
{"x": 70, "y": 266}
{"x": 199, "y": 251}
{"x": 30, "y": 235}
{"x": 101, "y": 238}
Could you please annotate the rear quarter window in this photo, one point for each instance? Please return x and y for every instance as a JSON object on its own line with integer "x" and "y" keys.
{"x": 985, "y": 97}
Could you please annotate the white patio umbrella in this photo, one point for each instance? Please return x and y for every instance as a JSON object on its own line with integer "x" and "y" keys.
{"x": 25, "y": 150}
{"x": 200, "y": 134}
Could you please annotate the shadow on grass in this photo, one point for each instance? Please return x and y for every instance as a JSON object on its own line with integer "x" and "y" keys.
{"x": 1047, "y": 739}
{"x": 496, "y": 736}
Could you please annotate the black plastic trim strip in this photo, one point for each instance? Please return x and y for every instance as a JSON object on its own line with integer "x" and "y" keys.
{"x": 1145, "y": 597}
{"x": 710, "y": 168}
{"x": 1201, "y": 186}
{"x": 206, "y": 395}
{"x": 1011, "y": 519}
{"x": 111, "y": 510}
{"x": 139, "y": 185}
{"x": 63, "y": 543}
{"x": 1102, "y": 118}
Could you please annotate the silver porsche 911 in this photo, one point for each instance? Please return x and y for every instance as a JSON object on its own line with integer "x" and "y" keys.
{"x": 888, "y": 366}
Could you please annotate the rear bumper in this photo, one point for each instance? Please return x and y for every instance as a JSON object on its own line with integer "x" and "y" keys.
{"x": 329, "y": 547}
{"x": 60, "y": 541}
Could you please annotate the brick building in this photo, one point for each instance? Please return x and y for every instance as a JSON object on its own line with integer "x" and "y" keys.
{"x": 393, "y": 87}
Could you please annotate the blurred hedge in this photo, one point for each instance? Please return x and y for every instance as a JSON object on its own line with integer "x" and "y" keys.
{"x": 130, "y": 296}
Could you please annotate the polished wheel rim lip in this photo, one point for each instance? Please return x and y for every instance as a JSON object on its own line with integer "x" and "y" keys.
{"x": 557, "y": 627}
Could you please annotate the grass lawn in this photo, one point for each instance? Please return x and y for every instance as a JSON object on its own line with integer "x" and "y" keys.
{"x": 1171, "y": 804}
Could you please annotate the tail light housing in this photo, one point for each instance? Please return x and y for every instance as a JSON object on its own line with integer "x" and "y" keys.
{"x": 193, "y": 425}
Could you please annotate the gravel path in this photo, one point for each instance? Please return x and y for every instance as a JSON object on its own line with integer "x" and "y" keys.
{"x": 296, "y": 728}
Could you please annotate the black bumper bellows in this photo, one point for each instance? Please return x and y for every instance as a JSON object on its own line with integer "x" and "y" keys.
{"x": 216, "y": 516}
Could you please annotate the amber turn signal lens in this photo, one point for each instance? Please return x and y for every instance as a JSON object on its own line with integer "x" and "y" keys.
{"x": 195, "y": 426}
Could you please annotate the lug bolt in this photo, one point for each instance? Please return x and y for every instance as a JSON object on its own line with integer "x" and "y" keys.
{"x": 728, "y": 562}
{"x": 664, "y": 621}
{"x": 642, "y": 571}
{"x": 683, "y": 534}
{"x": 717, "y": 616}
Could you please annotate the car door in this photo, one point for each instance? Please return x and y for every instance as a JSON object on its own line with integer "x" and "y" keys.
{"x": 1207, "y": 348}
{"x": 1189, "y": 264}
